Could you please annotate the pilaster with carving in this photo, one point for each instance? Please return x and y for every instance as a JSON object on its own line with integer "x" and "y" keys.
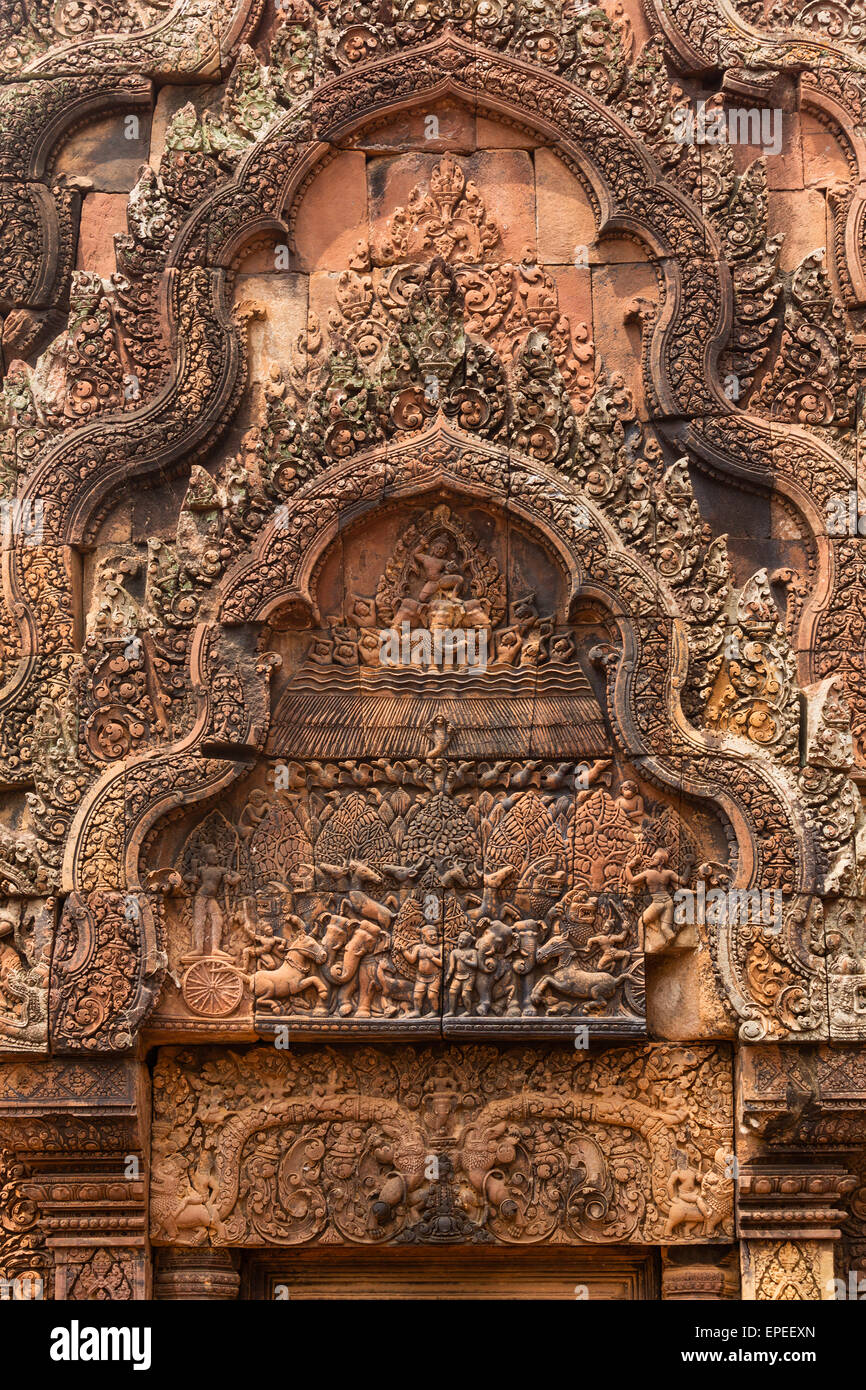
{"x": 75, "y": 1140}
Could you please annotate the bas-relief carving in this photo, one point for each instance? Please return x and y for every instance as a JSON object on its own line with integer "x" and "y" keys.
{"x": 195, "y": 853}
{"x": 145, "y": 36}
{"x": 74, "y": 1139}
{"x": 470, "y": 1145}
{"x": 520, "y": 644}
{"x": 463, "y": 899}
{"x": 25, "y": 941}
{"x": 22, "y": 1243}
{"x": 786, "y": 1271}
{"x": 408, "y": 863}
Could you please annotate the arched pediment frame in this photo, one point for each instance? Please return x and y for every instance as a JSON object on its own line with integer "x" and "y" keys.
{"x": 756, "y": 799}
{"x": 630, "y": 194}
{"x": 80, "y": 474}
{"x": 86, "y": 468}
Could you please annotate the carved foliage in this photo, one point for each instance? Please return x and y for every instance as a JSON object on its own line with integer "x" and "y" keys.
{"x": 103, "y": 979}
{"x": 472, "y": 1145}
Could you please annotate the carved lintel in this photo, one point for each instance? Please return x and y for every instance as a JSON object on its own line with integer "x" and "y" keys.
{"x": 441, "y": 1146}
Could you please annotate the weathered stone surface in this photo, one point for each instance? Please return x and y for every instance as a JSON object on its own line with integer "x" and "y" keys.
{"x": 103, "y": 217}
{"x": 333, "y": 215}
{"x": 111, "y": 150}
{"x": 432, "y": 647}
{"x": 413, "y": 1150}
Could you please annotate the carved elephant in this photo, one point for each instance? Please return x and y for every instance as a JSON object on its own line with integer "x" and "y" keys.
{"x": 494, "y": 980}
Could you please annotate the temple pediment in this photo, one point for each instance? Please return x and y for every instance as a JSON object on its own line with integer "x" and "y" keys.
{"x": 432, "y": 658}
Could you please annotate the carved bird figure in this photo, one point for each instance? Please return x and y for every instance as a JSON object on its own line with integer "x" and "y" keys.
{"x": 556, "y": 777}
{"x": 488, "y": 776}
{"x": 523, "y": 776}
{"x": 324, "y": 777}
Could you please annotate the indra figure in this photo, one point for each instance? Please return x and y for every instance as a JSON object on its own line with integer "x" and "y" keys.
{"x": 434, "y": 565}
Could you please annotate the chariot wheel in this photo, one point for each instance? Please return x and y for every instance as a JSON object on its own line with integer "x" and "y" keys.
{"x": 211, "y": 989}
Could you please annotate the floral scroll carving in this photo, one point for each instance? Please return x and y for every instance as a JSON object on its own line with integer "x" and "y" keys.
{"x": 436, "y": 1147}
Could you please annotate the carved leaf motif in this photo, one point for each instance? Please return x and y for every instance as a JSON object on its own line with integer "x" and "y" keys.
{"x": 455, "y": 921}
{"x": 355, "y": 831}
{"x": 525, "y": 832}
{"x": 277, "y": 847}
{"x": 666, "y": 831}
{"x": 399, "y": 800}
{"x": 601, "y": 842}
{"x": 441, "y": 830}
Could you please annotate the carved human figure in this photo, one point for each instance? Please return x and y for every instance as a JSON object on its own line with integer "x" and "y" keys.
{"x": 657, "y": 919}
{"x": 508, "y": 645}
{"x": 631, "y": 802}
{"x": 255, "y": 811}
{"x": 684, "y": 1190}
{"x": 570, "y": 981}
{"x": 433, "y": 563}
{"x": 426, "y": 956}
{"x": 207, "y": 915}
{"x": 700, "y": 1201}
{"x": 614, "y": 951}
{"x": 533, "y": 647}
{"x": 267, "y": 950}
{"x": 462, "y": 969}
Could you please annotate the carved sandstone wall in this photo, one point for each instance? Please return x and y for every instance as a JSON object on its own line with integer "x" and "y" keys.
{"x": 432, "y": 653}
